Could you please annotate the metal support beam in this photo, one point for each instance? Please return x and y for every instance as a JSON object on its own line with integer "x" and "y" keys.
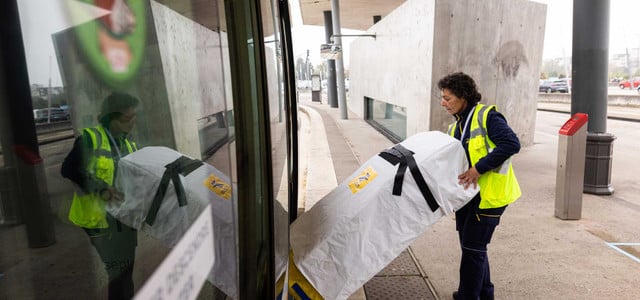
{"x": 337, "y": 40}
{"x": 332, "y": 94}
{"x": 356, "y": 35}
{"x": 15, "y": 96}
{"x": 589, "y": 92}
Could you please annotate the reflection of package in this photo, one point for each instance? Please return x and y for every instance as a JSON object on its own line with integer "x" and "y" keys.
{"x": 361, "y": 226}
{"x": 143, "y": 176}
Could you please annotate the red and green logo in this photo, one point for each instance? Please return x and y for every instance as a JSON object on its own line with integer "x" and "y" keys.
{"x": 112, "y": 37}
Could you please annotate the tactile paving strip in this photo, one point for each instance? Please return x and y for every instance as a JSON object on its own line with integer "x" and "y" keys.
{"x": 400, "y": 279}
{"x": 402, "y": 265}
{"x": 397, "y": 287}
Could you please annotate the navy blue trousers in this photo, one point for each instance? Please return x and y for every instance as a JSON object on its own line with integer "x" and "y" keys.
{"x": 475, "y": 227}
{"x": 116, "y": 247}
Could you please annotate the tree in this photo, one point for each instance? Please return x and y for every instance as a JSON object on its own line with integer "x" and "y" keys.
{"x": 552, "y": 67}
{"x": 300, "y": 69}
{"x": 321, "y": 70}
{"x": 39, "y": 102}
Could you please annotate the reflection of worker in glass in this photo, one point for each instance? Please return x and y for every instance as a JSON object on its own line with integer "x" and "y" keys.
{"x": 115, "y": 26}
{"x": 91, "y": 165}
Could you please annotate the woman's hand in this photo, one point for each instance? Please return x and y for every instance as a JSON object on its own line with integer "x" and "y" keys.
{"x": 111, "y": 194}
{"x": 469, "y": 177}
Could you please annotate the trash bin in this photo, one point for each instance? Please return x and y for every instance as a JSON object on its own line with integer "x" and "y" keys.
{"x": 9, "y": 206}
{"x": 598, "y": 161}
{"x": 572, "y": 143}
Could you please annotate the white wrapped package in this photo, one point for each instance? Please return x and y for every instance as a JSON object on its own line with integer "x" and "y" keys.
{"x": 358, "y": 228}
{"x": 139, "y": 176}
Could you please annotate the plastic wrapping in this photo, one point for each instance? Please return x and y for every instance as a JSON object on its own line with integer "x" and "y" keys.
{"x": 358, "y": 228}
{"x": 139, "y": 176}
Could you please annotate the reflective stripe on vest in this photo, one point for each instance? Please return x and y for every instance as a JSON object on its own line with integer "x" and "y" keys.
{"x": 88, "y": 210}
{"x": 498, "y": 187}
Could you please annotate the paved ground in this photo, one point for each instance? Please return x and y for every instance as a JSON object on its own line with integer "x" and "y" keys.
{"x": 534, "y": 255}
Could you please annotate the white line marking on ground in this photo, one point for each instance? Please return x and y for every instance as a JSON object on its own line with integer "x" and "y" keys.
{"x": 615, "y": 246}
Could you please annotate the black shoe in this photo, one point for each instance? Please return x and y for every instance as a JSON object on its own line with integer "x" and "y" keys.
{"x": 455, "y": 295}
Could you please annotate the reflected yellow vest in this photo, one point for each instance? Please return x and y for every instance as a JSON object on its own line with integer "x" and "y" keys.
{"x": 498, "y": 187}
{"x": 88, "y": 210}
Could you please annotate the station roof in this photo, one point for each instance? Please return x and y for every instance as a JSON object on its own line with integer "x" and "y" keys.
{"x": 354, "y": 14}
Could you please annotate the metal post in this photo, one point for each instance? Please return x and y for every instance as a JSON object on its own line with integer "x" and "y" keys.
{"x": 337, "y": 41}
{"x": 589, "y": 95}
{"x": 332, "y": 93}
{"x": 307, "y": 69}
{"x": 16, "y": 95}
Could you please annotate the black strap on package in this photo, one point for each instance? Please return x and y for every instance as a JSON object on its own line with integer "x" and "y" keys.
{"x": 181, "y": 166}
{"x": 403, "y": 156}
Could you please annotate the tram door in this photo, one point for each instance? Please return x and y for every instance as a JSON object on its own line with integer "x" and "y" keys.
{"x": 173, "y": 172}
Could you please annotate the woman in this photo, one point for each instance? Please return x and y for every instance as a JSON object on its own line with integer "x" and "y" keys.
{"x": 91, "y": 165}
{"x": 489, "y": 143}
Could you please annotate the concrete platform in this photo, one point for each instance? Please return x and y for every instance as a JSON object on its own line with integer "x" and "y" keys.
{"x": 533, "y": 254}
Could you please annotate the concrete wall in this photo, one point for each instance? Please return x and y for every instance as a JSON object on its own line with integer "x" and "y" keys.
{"x": 192, "y": 66}
{"x": 181, "y": 80}
{"x": 498, "y": 42}
{"x": 395, "y": 67}
{"x": 85, "y": 91}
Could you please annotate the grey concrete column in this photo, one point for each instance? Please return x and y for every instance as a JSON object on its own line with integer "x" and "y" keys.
{"x": 15, "y": 95}
{"x": 332, "y": 93}
{"x": 337, "y": 41}
{"x": 589, "y": 92}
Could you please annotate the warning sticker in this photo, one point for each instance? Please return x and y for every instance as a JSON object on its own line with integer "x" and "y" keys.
{"x": 218, "y": 186}
{"x": 359, "y": 182}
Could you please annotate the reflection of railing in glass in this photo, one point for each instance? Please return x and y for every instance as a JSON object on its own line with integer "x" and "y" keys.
{"x": 215, "y": 130}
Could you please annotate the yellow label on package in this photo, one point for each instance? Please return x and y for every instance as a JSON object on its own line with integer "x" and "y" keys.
{"x": 218, "y": 186}
{"x": 359, "y": 182}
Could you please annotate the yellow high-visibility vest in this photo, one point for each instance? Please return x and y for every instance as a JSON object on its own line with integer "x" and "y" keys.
{"x": 498, "y": 187}
{"x": 88, "y": 210}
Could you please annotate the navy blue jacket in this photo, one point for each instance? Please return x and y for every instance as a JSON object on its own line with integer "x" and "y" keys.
{"x": 507, "y": 142}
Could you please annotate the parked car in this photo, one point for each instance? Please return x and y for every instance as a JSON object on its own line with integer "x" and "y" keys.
{"x": 626, "y": 84}
{"x": 57, "y": 114}
{"x": 551, "y": 86}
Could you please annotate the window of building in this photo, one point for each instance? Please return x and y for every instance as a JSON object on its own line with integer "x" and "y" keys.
{"x": 389, "y": 119}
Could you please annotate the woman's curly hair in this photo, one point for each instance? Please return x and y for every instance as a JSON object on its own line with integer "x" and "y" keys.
{"x": 114, "y": 106}
{"x": 461, "y": 85}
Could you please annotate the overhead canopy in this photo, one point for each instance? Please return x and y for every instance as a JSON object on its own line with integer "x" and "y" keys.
{"x": 354, "y": 14}
{"x": 206, "y": 13}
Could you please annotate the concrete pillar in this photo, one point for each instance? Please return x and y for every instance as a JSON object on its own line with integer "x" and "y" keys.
{"x": 589, "y": 93}
{"x": 332, "y": 93}
{"x": 337, "y": 41}
{"x": 15, "y": 95}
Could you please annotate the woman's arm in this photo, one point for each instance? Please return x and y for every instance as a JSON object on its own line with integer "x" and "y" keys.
{"x": 74, "y": 166}
{"x": 507, "y": 143}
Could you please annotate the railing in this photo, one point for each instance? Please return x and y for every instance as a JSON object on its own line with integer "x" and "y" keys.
{"x": 53, "y": 126}
{"x": 619, "y": 100}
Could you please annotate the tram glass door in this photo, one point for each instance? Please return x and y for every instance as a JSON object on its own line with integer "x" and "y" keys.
{"x": 145, "y": 83}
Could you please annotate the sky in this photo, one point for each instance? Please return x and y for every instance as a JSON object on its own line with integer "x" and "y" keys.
{"x": 40, "y": 18}
{"x": 624, "y": 31}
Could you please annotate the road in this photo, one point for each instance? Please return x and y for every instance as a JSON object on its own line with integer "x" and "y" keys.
{"x": 614, "y": 90}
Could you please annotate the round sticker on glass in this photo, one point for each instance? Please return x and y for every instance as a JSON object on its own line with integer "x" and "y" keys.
{"x": 113, "y": 41}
